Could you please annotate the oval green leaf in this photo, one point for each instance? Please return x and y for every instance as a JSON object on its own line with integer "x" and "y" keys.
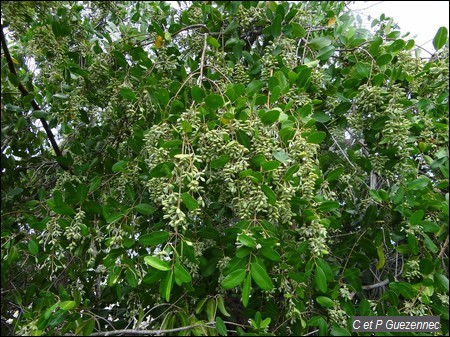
{"x": 154, "y": 238}
{"x": 67, "y": 305}
{"x": 221, "y": 327}
{"x": 270, "y": 165}
{"x": 127, "y": 94}
{"x": 214, "y": 101}
{"x": 325, "y": 301}
{"x": 33, "y": 247}
{"x": 269, "y": 117}
{"x": 316, "y": 137}
{"x": 246, "y": 240}
{"x": 145, "y": 209}
{"x": 270, "y": 195}
{"x": 120, "y": 166}
{"x": 233, "y": 279}
{"x": 440, "y": 38}
{"x": 320, "y": 280}
{"x": 157, "y": 263}
{"x": 336, "y": 173}
{"x": 181, "y": 273}
{"x": 130, "y": 276}
{"x": 220, "y": 162}
{"x": 246, "y": 289}
{"x": 384, "y": 59}
{"x": 270, "y": 253}
{"x": 189, "y": 201}
{"x": 261, "y": 277}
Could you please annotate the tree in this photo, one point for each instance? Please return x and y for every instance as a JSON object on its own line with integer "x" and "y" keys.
{"x": 219, "y": 167}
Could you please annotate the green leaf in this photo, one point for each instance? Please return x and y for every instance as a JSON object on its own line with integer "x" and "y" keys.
{"x": 319, "y": 43}
{"x": 291, "y": 171}
{"x": 39, "y": 114}
{"x": 275, "y": 28}
{"x": 220, "y": 162}
{"x": 233, "y": 279}
{"x": 174, "y": 143}
{"x": 286, "y": 134}
{"x": 221, "y": 327}
{"x": 246, "y": 289}
{"x": 297, "y": 30}
{"x": 269, "y": 117}
{"x": 412, "y": 242}
{"x": 270, "y": 165}
{"x": 320, "y": 280}
{"x": 328, "y": 206}
{"x": 197, "y": 94}
{"x": 316, "y": 137}
{"x": 396, "y": 46}
{"x": 165, "y": 288}
{"x": 440, "y": 38}
{"x": 67, "y": 305}
{"x": 339, "y": 331}
{"x": 416, "y": 217}
{"x": 419, "y": 183}
{"x": 127, "y": 94}
{"x": 120, "y": 166}
{"x": 145, "y": 209}
{"x": 231, "y": 27}
{"x": 321, "y": 117}
{"x": 130, "y": 276}
{"x": 56, "y": 319}
{"x": 181, "y": 273}
{"x": 157, "y": 263}
{"x": 270, "y": 253}
{"x": 271, "y": 197}
{"x": 261, "y": 277}
{"x": 384, "y": 59}
{"x": 214, "y": 101}
{"x": 187, "y": 127}
{"x": 33, "y": 247}
{"x": 88, "y": 326}
{"x": 246, "y": 240}
{"x": 61, "y": 96}
{"x": 362, "y": 69}
{"x": 243, "y": 138}
{"x": 381, "y": 257}
{"x": 335, "y": 174}
{"x": 153, "y": 276}
{"x": 189, "y": 201}
{"x": 326, "y": 269}
{"x": 325, "y": 301}
{"x": 162, "y": 170}
{"x": 212, "y": 42}
{"x": 254, "y": 87}
{"x": 221, "y": 306}
{"x": 426, "y": 266}
{"x": 281, "y": 156}
{"x": 325, "y": 53}
{"x": 403, "y": 288}
{"x": 154, "y": 238}
{"x": 441, "y": 282}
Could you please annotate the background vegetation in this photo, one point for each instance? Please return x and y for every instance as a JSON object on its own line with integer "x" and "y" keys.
{"x": 219, "y": 168}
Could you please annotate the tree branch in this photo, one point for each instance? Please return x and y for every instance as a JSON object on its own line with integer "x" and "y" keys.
{"x": 34, "y": 104}
{"x": 376, "y": 285}
{"x": 133, "y": 332}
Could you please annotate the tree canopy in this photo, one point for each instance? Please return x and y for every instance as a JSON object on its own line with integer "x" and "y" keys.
{"x": 204, "y": 168}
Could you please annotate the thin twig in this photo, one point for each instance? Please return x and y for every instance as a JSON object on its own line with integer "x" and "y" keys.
{"x": 202, "y": 61}
{"x": 133, "y": 332}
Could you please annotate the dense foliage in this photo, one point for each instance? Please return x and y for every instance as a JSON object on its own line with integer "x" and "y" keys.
{"x": 219, "y": 168}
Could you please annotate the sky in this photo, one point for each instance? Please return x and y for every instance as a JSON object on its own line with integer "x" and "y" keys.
{"x": 421, "y": 18}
